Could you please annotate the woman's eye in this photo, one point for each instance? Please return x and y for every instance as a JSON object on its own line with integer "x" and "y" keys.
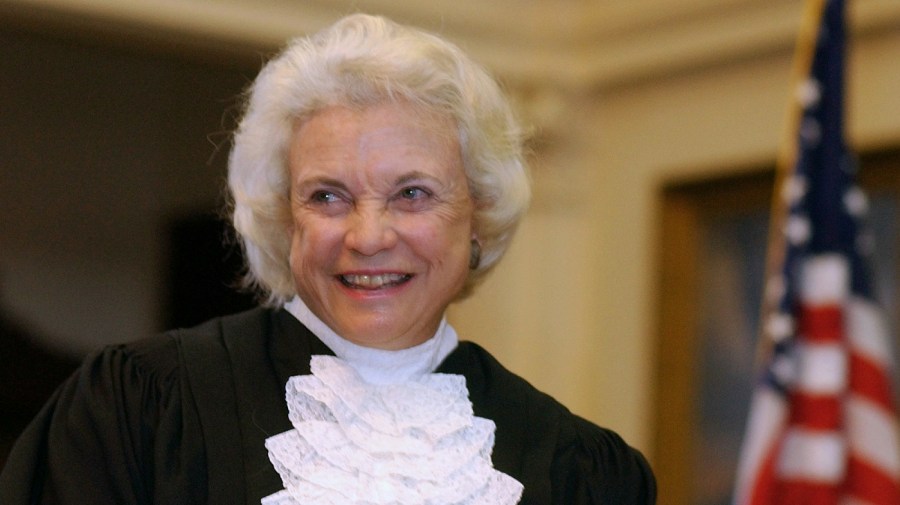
{"x": 413, "y": 193}
{"x": 324, "y": 197}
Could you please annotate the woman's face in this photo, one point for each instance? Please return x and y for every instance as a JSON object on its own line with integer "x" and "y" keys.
{"x": 382, "y": 221}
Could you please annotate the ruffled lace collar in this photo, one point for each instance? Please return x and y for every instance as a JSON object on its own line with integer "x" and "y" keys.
{"x": 397, "y": 444}
{"x": 404, "y": 439}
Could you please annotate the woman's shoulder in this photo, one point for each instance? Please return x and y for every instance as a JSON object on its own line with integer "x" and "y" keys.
{"x": 592, "y": 460}
{"x": 159, "y": 360}
{"x": 562, "y": 456}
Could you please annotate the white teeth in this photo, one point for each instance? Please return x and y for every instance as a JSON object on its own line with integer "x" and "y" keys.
{"x": 373, "y": 281}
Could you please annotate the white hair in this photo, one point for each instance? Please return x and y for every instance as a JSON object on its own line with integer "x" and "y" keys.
{"x": 365, "y": 60}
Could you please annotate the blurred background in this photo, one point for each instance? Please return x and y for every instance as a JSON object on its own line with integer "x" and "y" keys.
{"x": 631, "y": 290}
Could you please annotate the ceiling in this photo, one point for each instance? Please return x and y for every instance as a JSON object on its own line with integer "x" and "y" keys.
{"x": 567, "y": 44}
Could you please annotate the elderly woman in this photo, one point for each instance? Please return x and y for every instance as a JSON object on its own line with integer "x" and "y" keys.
{"x": 376, "y": 176}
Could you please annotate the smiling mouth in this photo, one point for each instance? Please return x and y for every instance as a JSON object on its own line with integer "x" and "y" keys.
{"x": 363, "y": 281}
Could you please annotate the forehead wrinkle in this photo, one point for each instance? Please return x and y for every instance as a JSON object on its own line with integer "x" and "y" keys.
{"x": 422, "y": 142}
{"x": 428, "y": 135}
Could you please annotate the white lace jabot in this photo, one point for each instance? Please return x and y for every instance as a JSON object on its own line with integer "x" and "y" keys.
{"x": 399, "y": 442}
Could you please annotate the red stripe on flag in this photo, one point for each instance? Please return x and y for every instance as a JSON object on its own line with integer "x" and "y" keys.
{"x": 869, "y": 483}
{"x": 869, "y": 380}
{"x": 815, "y": 412}
{"x": 821, "y": 324}
{"x": 797, "y": 492}
{"x": 764, "y": 483}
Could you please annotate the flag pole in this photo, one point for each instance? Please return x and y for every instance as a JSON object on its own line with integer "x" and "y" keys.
{"x": 804, "y": 51}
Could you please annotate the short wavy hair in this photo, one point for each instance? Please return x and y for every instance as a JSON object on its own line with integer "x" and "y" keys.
{"x": 366, "y": 60}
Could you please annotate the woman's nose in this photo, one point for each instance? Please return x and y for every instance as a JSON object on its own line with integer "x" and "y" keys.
{"x": 370, "y": 231}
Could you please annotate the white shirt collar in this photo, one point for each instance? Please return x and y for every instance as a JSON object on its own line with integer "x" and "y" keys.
{"x": 378, "y": 366}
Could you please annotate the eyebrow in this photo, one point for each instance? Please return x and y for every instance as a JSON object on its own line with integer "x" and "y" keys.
{"x": 321, "y": 181}
{"x": 413, "y": 176}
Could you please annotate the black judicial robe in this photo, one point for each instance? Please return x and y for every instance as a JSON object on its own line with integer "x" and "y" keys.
{"x": 181, "y": 418}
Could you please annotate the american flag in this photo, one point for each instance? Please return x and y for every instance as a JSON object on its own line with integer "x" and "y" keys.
{"x": 822, "y": 426}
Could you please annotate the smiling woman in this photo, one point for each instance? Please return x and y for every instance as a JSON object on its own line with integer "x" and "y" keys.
{"x": 382, "y": 221}
{"x": 376, "y": 176}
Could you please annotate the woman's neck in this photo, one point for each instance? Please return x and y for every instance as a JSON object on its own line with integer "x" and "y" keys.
{"x": 378, "y": 366}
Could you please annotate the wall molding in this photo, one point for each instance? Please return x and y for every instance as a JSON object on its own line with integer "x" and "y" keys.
{"x": 565, "y": 44}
